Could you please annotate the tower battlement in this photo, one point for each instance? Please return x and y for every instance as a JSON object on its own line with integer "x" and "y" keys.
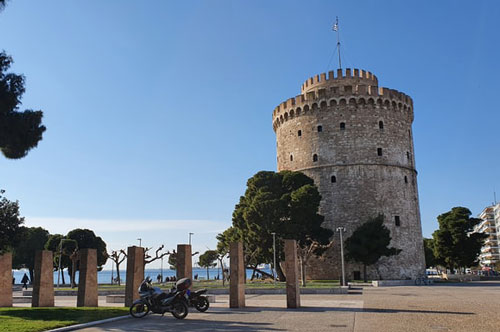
{"x": 358, "y": 90}
{"x": 347, "y": 77}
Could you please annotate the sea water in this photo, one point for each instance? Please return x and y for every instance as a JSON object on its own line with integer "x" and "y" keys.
{"x": 104, "y": 276}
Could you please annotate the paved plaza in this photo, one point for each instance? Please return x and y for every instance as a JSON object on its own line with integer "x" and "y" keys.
{"x": 457, "y": 307}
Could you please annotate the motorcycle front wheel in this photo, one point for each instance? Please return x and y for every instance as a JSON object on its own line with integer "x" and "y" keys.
{"x": 180, "y": 309}
{"x": 202, "y": 304}
{"x": 139, "y": 310}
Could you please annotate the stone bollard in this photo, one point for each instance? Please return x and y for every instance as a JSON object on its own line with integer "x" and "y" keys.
{"x": 236, "y": 276}
{"x": 135, "y": 274}
{"x": 6, "y": 280}
{"x": 87, "y": 282}
{"x": 292, "y": 274}
{"x": 184, "y": 266}
{"x": 43, "y": 285}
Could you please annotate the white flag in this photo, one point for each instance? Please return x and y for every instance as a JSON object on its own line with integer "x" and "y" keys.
{"x": 335, "y": 27}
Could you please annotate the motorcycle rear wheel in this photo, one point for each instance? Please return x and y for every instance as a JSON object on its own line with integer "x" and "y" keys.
{"x": 202, "y": 304}
{"x": 180, "y": 310}
{"x": 139, "y": 310}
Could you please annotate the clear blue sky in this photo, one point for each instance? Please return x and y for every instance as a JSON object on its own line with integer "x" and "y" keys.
{"x": 157, "y": 112}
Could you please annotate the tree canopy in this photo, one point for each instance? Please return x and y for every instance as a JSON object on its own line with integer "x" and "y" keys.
{"x": 10, "y": 223}
{"x": 369, "y": 242}
{"x": 208, "y": 259}
{"x": 31, "y": 240}
{"x": 285, "y": 203}
{"x": 86, "y": 238}
{"x": 19, "y": 131}
{"x": 455, "y": 246}
{"x": 430, "y": 258}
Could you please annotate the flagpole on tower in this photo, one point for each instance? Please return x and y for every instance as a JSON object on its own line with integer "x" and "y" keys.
{"x": 336, "y": 28}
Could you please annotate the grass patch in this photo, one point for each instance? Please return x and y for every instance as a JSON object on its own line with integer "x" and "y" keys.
{"x": 41, "y": 319}
{"x": 211, "y": 284}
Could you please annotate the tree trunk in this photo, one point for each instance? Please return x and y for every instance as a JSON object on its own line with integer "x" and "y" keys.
{"x": 279, "y": 272}
{"x": 118, "y": 274}
{"x": 32, "y": 273}
{"x": 62, "y": 274}
{"x": 262, "y": 272}
{"x": 253, "y": 273}
{"x": 364, "y": 273}
{"x": 73, "y": 271}
{"x": 303, "y": 271}
{"x": 208, "y": 276}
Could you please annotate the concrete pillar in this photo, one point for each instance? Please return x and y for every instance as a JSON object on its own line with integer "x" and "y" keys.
{"x": 135, "y": 274}
{"x": 87, "y": 282}
{"x": 6, "y": 280}
{"x": 43, "y": 285}
{"x": 184, "y": 261}
{"x": 292, "y": 274}
{"x": 236, "y": 276}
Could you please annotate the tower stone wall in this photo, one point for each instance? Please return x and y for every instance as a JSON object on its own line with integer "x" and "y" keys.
{"x": 355, "y": 140}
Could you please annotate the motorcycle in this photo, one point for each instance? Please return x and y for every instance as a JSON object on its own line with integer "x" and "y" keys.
{"x": 155, "y": 300}
{"x": 197, "y": 300}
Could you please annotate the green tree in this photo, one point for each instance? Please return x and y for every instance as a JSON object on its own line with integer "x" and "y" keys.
{"x": 31, "y": 240}
{"x": 19, "y": 131}
{"x": 430, "y": 259}
{"x": 285, "y": 203}
{"x": 10, "y": 223}
{"x": 65, "y": 250}
{"x": 172, "y": 260}
{"x": 208, "y": 259}
{"x": 86, "y": 238}
{"x": 455, "y": 246}
{"x": 369, "y": 242}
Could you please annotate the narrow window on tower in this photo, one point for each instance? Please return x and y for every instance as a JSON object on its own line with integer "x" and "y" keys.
{"x": 342, "y": 126}
{"x": 315, "y": 157}
{"x": 381, "y": 125}
{"x": 333, "y": 179}
{"x": 397, "y": 221}
{"x": 379, "y": 151}
{"x": 291, "y": 157}
{"x": 406, "y": 179}
{"x": 407, "y": 155}
{"x": 320, "y": 129}
{"x": 299, "y": 133}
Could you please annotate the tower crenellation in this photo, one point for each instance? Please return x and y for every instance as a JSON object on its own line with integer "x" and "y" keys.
{"x": 355, "y": 140}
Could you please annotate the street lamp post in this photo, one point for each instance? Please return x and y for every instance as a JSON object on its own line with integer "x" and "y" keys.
{"x": 274, "y": 254}
{"x": 190, "y": 237}
{"x": 342, "y": 230}
{"x": 140, "y": 242}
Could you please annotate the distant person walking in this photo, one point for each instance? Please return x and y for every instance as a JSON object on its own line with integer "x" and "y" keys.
{"x": 25, "y": 280}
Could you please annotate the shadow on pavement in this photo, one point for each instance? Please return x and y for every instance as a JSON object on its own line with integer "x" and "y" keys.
{"x": 338, "y": 309}
{"x": 159, "y": 323}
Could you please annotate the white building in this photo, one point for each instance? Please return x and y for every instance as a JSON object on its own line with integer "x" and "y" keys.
{"x": 490, "y": 225}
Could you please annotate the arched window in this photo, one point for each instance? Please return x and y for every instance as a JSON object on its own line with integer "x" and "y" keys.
{"x": 333, "y": 179}
{"x": 291, "y": 157}
{"x": 320, "y": 129}
{"x": 299, "y": 133}
{"x": 379, "y": 151}
{"x": 342, "y": 126}
{"x": 381, "y": 124}
{"x": 315, "y": 157}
